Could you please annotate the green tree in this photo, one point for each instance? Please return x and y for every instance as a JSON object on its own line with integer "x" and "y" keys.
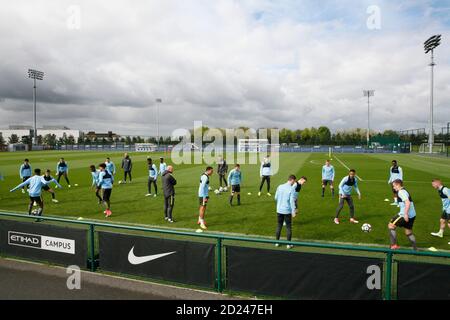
{"x": 324, "y": 135}
{"x": 306, "y": 136}
{"x": 285, "y": 136}
{"x": 71, "y": 140}
{"x": 26, "y": 140}
{"x": 296, "y": 136}
{"x": 64, "y": 139}
{"x": 49, "y": 140}
{"x": 13, "y": 139}
{"x": 2, "y": 141}
{"x": 314, "y": 135}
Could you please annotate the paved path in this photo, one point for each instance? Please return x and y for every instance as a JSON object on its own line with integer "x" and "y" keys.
{"x": 25, "y": 280}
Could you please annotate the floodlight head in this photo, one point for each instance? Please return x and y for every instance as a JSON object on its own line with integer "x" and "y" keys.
{"x": 368, "y": 93}
{"x": 35, "y": 74}
{"x": 159, "y": 100}
{"x": 432, "y": 43}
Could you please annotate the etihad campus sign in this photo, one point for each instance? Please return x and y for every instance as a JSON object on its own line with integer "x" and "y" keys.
{"x": 41, "y": 242}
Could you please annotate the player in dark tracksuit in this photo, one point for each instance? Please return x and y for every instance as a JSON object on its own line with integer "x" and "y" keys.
{"x": 127, "y": 165}
{"x": 48, "y": 177}
{"x": 168, "y": 185}
{"x": 222, "y": 170}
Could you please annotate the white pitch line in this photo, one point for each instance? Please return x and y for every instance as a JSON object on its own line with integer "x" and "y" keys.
{"x": 314, "y": 162}
{"x": 342, "y": 163}
{"x": 406, "y": 181}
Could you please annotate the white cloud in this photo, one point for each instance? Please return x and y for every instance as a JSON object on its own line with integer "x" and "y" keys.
{"x": 227, "y": 63}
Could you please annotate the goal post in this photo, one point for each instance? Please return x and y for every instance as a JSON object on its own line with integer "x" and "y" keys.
{"x": 253, "y": 145}
{"x": 435, "y": 148}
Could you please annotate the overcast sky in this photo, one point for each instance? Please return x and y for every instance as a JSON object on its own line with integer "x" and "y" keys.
{"x": 255, "y": 63}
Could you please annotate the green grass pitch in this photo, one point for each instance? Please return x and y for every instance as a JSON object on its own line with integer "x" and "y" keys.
{"x": 256, "y": 215}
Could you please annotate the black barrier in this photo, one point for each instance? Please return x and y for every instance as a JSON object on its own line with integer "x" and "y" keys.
{"x": 171, "y": 260}
{"x": 423, "y": 281}
{"x": 50, "y": 243}
{"x": 346, "y": 271}
{"x": 300, "y": 275}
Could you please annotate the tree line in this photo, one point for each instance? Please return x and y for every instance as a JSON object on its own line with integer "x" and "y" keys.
{"x": 308, "y": 136}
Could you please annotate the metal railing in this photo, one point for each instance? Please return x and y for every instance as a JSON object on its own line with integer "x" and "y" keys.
{"x": 221, "y": 237}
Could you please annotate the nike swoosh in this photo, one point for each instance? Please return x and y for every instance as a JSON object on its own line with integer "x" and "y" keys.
{"x": 139, "y": 260}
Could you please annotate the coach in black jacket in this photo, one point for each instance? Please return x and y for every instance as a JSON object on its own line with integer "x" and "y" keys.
{"x": 222, "y": 170}
{"x": 168, "y": 184}
{"x": 127, "y": 165}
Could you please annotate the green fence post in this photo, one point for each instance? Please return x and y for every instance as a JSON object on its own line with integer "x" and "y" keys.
{"x": 92, "y": 246}
{"x": 219, "y": 264}
{"x": 388, "y": 289}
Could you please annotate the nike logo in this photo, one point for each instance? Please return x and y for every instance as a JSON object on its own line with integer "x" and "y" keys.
{"x": 140, "y": 260}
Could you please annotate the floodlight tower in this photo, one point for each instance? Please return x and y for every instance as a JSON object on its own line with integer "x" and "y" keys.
{"x": 368, "y": 94}
{"x": 158, "y": 101}
{"x": 35, "y": 75}
{"x": 430, "y": 45}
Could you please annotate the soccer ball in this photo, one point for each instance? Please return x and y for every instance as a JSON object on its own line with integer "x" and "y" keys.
{"x": 209, "y": 188}
{"x": 217, "y": 192}
{"x": 76, "y": 184}
{"x": 36, "y": 212}
{"x": 120, "y": 181}
{"x": 366, "y": 227}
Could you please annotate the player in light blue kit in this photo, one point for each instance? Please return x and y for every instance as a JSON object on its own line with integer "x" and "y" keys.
{"x": 203, "y": 196}
{"x": 405, "y": 218}
{"x": 297, "y": 187}
{"x": 35, "y": 185}
{"x": 62, "y": 169}
{"x": 25, "y": 172}
{"x": 105, "y": 182}
{"x": 110, "y": 166}
{"x": 162, "y": 166}
{"x": 286, "y": 208}
{"x": 328, "y": 174}
{"x": 95, "y": 173}
{"x": 345, "y": 194}
{"x": 152, "y": 178}
{"x": 444, "y": 194}
{"x": 265, "y": 172}
{"x": 395, "y": 173}
{"x": 234, "y": 180}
